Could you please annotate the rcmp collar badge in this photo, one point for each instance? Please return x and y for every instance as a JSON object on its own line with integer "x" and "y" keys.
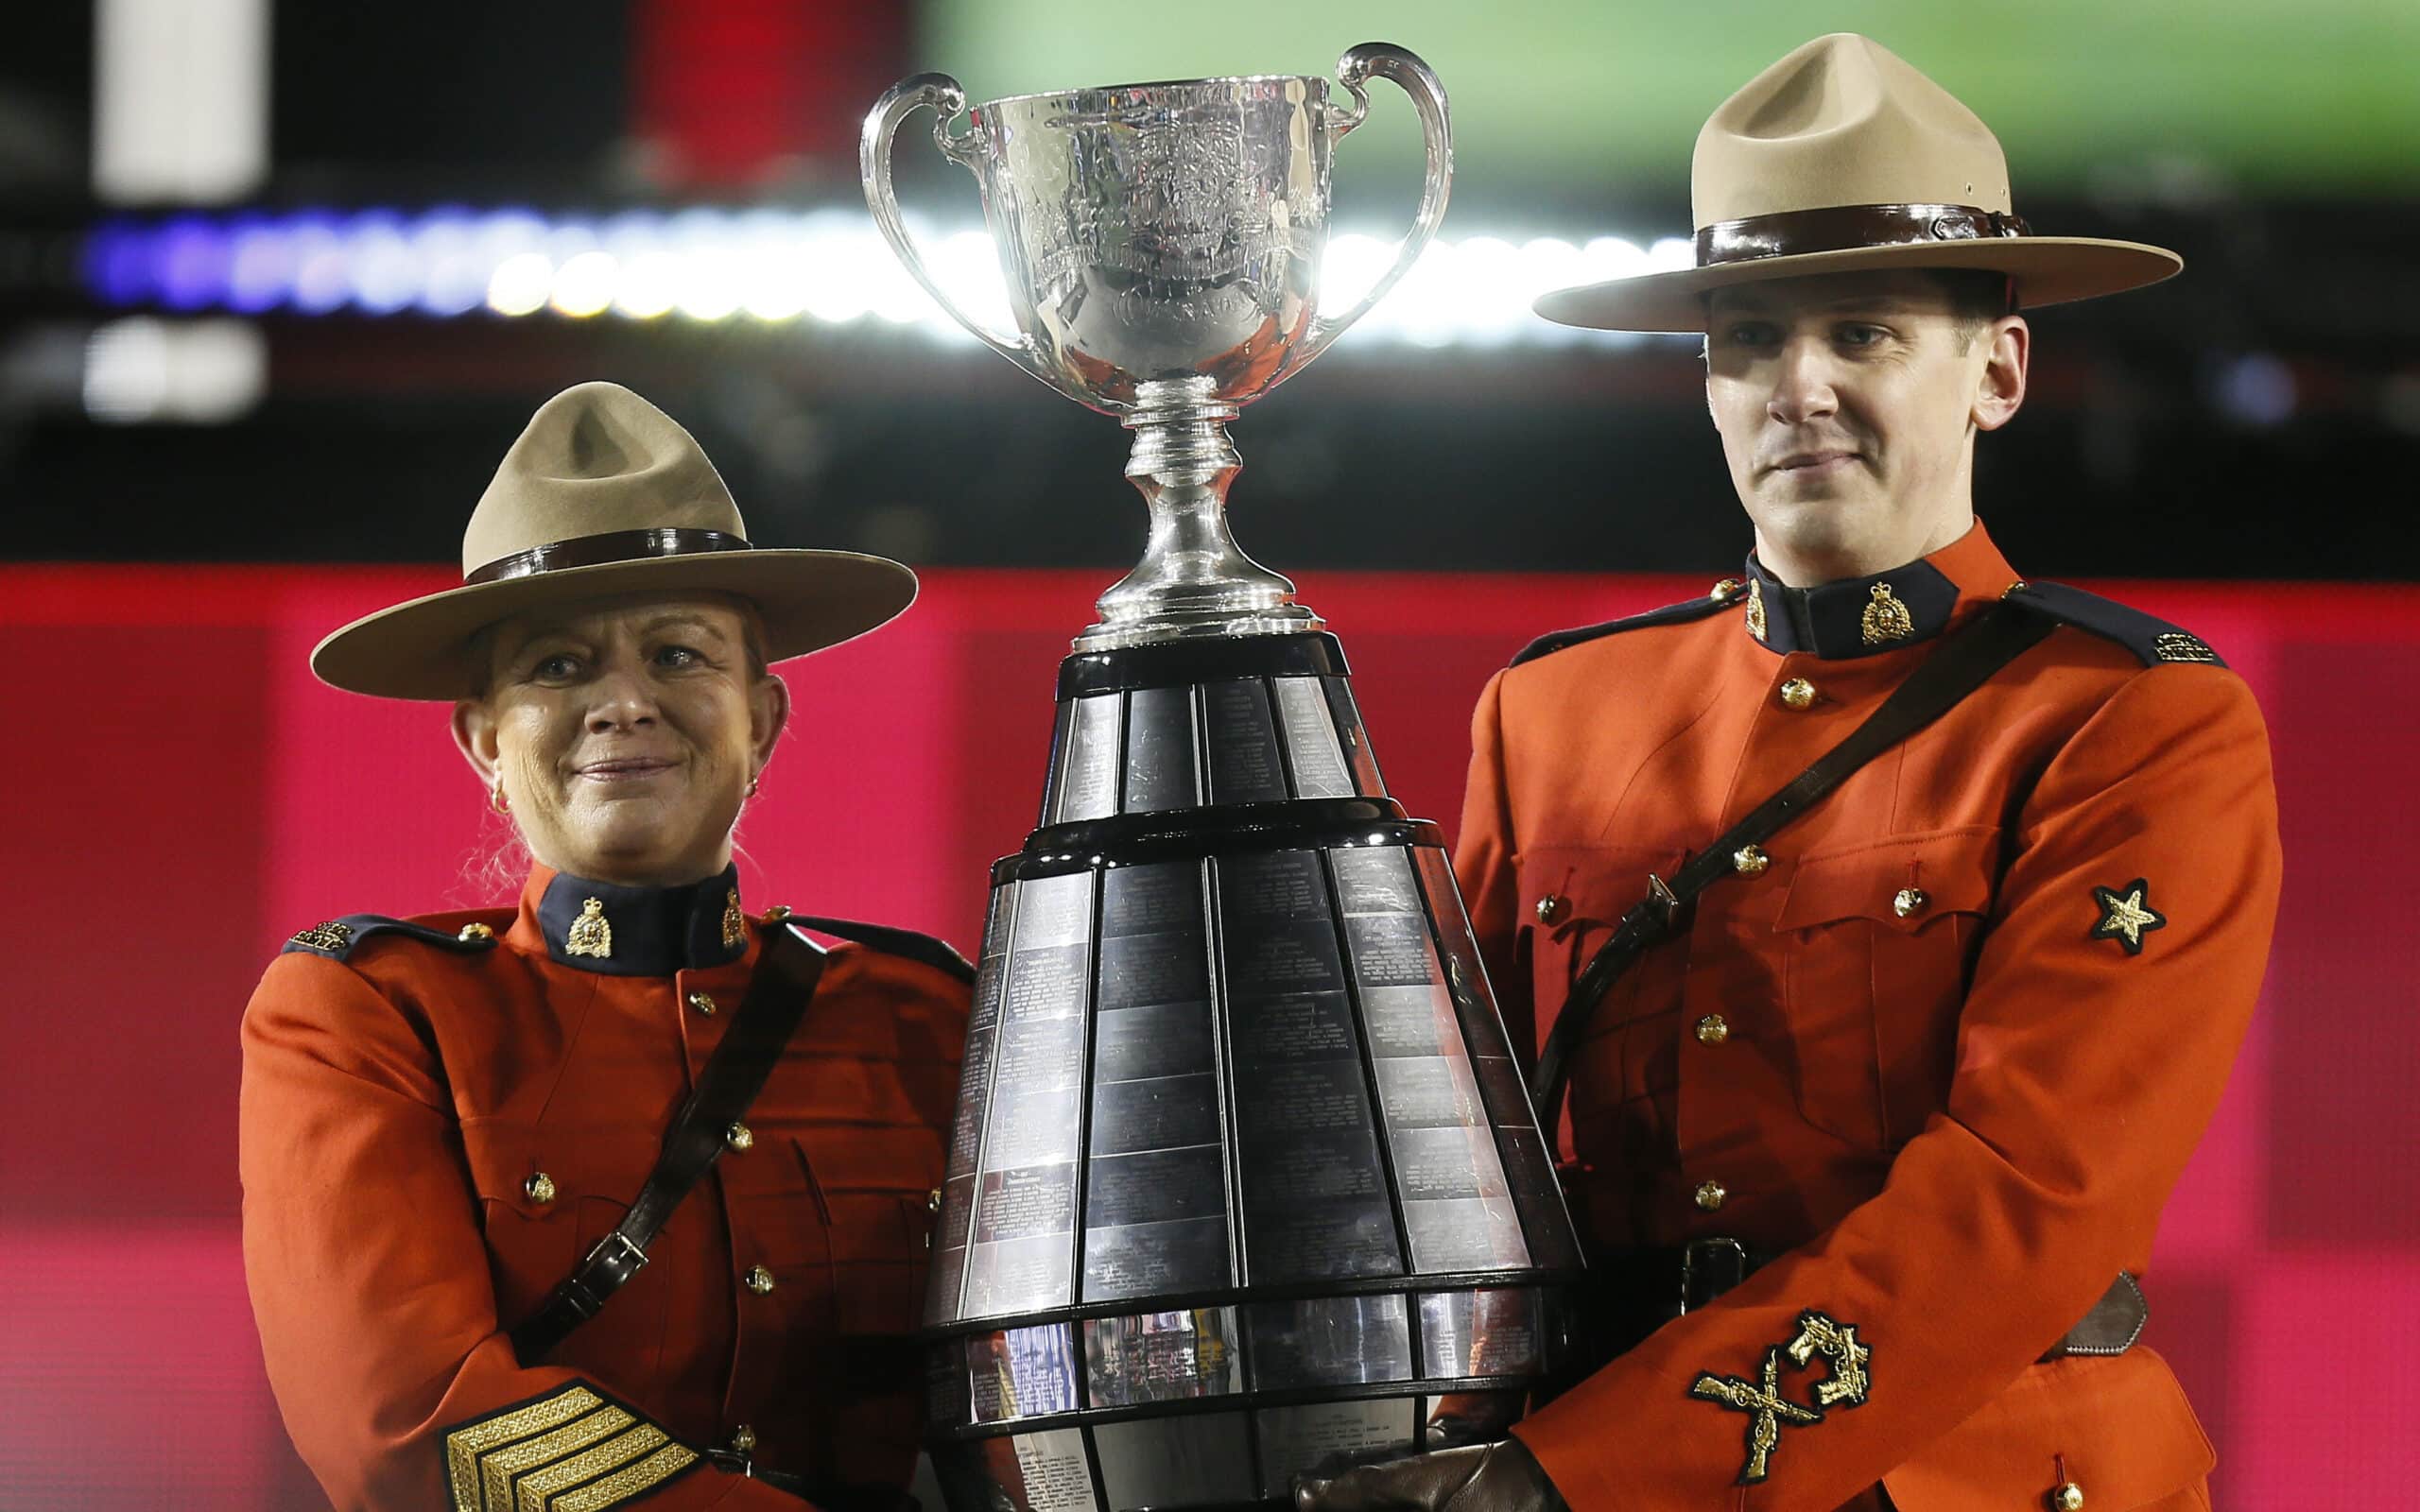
{"x": 590, "y": 934}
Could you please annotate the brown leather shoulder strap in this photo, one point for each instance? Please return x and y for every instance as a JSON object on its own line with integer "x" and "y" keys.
{"x": 787, "y": 973}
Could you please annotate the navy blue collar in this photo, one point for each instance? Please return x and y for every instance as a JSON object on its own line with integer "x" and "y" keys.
{"x": 596, "y": 926}
{"x": 1853, "y": 617}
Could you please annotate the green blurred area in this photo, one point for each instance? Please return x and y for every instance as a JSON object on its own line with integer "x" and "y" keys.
{"x": 2264, "y": 97}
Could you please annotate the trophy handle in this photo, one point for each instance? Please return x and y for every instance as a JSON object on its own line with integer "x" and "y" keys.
{"x": 1415, "y": 79}
{"x": 901, "y": 100}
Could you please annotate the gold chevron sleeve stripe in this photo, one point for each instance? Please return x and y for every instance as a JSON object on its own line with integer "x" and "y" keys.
{"x": 536, "y": 1490}
{"x": 634, "y": 1480}
{"x": 499, "y": 1469}
{"x": 465, "y": 1445}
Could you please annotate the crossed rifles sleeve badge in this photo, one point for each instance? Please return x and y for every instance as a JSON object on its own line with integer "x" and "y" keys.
{"x": 1762, "y": 1400}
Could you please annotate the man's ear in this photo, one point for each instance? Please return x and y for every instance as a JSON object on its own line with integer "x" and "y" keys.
{"x": 1999, "y": 388}
{"x": 769, "y": 715}
{"x": 474, "y": 727}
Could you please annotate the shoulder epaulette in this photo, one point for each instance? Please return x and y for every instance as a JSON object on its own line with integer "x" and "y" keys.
{"x": 926, "y": 949}
{"x": 2148, "y": 636}
{"x": 340, "y": 937}
{"x": 1725, "y": 594}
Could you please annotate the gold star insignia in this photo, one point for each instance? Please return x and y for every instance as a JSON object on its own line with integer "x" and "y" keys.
{"x": 2126, "y": 917}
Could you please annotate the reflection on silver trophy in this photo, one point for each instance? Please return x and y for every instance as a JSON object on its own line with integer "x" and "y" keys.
{"x": 1243, "y": 1182}
{"x": 1162, "y": 244}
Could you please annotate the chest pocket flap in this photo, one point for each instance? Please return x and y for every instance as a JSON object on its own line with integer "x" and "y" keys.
{"x": 1904, "y": 883}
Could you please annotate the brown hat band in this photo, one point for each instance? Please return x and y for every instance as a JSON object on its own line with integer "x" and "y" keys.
{"x": 613, "y": 546}
{"x": 1841, "y": 228}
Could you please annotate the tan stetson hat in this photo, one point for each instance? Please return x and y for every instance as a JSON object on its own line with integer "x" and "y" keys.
{"x": 1839, "y": 158}
{"x": 606, "y": 494}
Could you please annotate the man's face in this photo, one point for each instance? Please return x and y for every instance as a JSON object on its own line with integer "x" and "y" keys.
{"x": 1847, "y": 405}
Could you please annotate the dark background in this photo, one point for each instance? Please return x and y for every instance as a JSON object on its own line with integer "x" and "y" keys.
{"x": 2255, "y": 417}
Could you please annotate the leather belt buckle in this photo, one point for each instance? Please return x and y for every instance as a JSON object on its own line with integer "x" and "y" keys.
{"x": 623, "y": 1264}
{"x": 1710, "y": 1268}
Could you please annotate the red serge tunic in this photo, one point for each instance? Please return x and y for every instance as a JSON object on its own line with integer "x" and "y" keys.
{"x": 440, "y": 1119}
{"x": 1947, "y": 1046}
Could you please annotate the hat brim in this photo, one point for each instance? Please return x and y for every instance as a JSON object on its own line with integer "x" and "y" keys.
{"x": 2047, "y": 269}
{"x": 807, "y": 600}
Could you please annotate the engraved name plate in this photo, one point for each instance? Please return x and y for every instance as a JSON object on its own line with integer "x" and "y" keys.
{"x": 1160, "y": 766}
{"x": 1410, "y": 1020}
{"x": 1244, "y": 763}
{"x": 1140, "y": 970}
{"x": 1164, "y": 1112}
{"x": 1493, "y": 1331}
{"x": 1019, "y": 1276}
{"x": 1088, "y": 772}
{"x": 1326, "y": 1438}
{"x": 1157, "y": 1259}
{"x": 1273, "y": 886}
{"x": 1356, "y": 739}
{"x": 1310, "y": 739}
{"x": 1174, "y": 1356}
{"x": 1164, "y": 1039}
{"x": 1465, "y": 1233}
{"x": 1159, "y": 898}
{"x": 1266, "y": 1031}
{"x": 1430, "y": 1092}
{"x": 1447, "y": 1162}
{"x": 1154, "y": 1187}
{"x": 1026, "y": 1372}
{"x": 1328, "y": 1341}
{"x": 1054, "y": 911}
{"x": 1375, "y": 880}
{"x": 1280, "y": 958}
{"x": 1391, "y": 950}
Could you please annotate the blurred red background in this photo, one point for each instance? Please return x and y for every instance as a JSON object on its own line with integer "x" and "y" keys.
{"x": 186, "y": 796}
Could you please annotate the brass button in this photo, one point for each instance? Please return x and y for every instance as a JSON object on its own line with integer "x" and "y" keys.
{"x": 738, "y": 1137}
{"x": 1549, "y": 908}
{"x": 541, "y": 1188}
{"x": 777, "y": 913}
{"x": 1911, "y": 901}
{"x": 760, "y": 1280}
{"x": 703, "y": 1003}
{"x": 2068, "y": 1498}
{"x": 1798, "y": 693}
{"x": 1710, "y": 1195}
{"x": 1726, "y": 588}
{"x": 1712, "y": 1030}
{"x": 933, "y": 1200}
{"x": 743, "y": 1438}
{"x": 1749, "y": 861}
{"x": 474, "y": 931}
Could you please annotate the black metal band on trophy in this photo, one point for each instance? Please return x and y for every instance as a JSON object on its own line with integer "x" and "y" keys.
{"x": 1244, "y": 1182}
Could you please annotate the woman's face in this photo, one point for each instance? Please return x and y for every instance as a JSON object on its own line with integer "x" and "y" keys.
{"x": 625, "y": 732}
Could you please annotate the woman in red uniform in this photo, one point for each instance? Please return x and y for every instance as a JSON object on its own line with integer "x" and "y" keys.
{"x": 445, "y": 1118}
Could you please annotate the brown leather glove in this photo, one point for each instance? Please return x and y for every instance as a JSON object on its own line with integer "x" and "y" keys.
{"x": 1499, "y": 1477}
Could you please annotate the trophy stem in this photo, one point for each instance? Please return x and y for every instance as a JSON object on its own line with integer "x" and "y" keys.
{"x": 1193, "y": 582}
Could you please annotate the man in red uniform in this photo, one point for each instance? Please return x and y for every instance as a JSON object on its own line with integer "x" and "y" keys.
{"x": 1887, "y": 1116}
{"x": 444, "y": 1119}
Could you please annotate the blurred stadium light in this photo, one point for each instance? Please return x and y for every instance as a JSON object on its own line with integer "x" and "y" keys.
{"x": 763, "y": 264}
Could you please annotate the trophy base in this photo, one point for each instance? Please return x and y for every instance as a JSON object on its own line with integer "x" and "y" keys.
{"x": 1244, "y": 1183}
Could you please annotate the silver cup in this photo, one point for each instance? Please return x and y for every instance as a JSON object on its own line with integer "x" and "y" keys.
{"x": 1161, "y": 245}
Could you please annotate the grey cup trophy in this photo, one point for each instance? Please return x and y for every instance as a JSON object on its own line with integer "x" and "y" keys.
{"x": 1243, "y": 1183}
